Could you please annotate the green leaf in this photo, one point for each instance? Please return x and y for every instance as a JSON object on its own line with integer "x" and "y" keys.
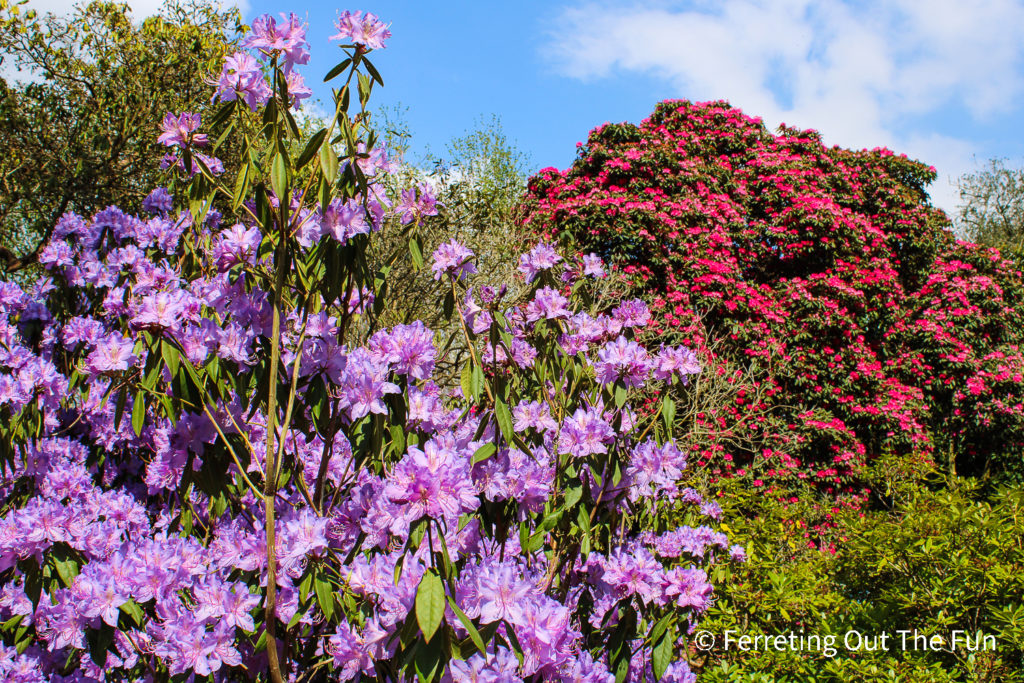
{"x": 324, "y": 596}
{"x": 416, "y": 251}
{"x": 171, "y": 357}
{"x": 312, "y": 147}
{"x": 132, "y": 609}
{"x": 373, "y": 71}
{"x": 668, "y": 412}
{"x": 466, "y": 382}
{"x": 484, "y": 452}
{"x": 122, "y": 400}
{"x": 430, "y": 600}
{"x": 477, "y": 381}
{"x": 138, "y": 413}
{"x": 241, "y": 186}
{"x": 467, "y": 624}
{"x": 337, "y": 69}
{"x": 573, "y": 495}
{"x": 504, "y": 417}
{"x": 279, "y": 176}
{"x": 328, "y": 163}
{"x": 620, "y": 395}
{"x": 661, "y": 655}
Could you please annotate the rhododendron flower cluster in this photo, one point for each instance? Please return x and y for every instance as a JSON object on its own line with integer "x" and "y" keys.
{"x": 819, "y": 283}
{"x": 219, "y": 465}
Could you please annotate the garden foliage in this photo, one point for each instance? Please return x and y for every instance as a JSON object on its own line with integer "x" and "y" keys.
{"x": 218, "y": 464}
{"x": 819, "y": 280}
{"x": 78, "y": 98}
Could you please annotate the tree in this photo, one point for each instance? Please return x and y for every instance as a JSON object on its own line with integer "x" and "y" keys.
{"x": 79, "y": 120}
{"x": 992, "y": 206}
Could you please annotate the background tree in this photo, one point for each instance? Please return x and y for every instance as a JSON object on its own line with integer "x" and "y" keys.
{"x": 478, "y": 184}
{"x": 80, "y": 116}
{"x": 992, "y": 206}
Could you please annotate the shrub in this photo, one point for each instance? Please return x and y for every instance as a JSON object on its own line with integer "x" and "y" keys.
{"x": 230, "y": 470}
{"x": 933, "y": 557}
{"x": 822, "y": 273}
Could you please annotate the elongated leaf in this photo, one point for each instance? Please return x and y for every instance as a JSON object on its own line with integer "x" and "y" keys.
{"x": 373, "y": 71}
{"x": 324, "y": 596}
{"x": 466, "y": 382}
{"x": 504, "y": 417}
{"x": 312, "y": 147}
{"x": 138, "y": 413}
{"x": 484, "y": 452}
{"x": 328, "y": 163}
{"x": 430, "y": 600}
{"x": 171, "y": 356}
{"x": 279, "y": 176}
{"x": 661, "y": 655}
{"x": 241, "y": 186}
{"x": 337, "y": 69}
{"x": 668, "y": 412}
{"x": 467, "y": 624}
{"x": 416, "y": 251}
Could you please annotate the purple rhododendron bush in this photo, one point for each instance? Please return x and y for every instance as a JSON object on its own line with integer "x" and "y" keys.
{"x": 217, "y": 466}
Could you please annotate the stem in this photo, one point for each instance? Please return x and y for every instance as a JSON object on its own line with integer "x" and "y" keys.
{"x": 270, "y": 480}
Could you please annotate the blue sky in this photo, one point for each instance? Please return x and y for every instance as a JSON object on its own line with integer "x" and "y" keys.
{"x": 939, "y": 80}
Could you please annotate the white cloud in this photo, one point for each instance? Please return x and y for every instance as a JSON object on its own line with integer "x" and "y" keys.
{"x": 853, "y": 71}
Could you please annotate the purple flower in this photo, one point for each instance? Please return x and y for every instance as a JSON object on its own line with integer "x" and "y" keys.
{"x": 547, "y": 303}
{"x": 111, "y": 354}
{"x": 541, "y": 257}
{"x": 162, "y": 311}
{"x": 288, "y": 39}
{"x": 632, "y": 313}
{"x": 593, "y": 265}
{"x": 452, "y": 258}
{"x": 368, "y": 30}
{"x": 158, "y": 201}
{"x": 533, "y": 414}
{"x": 676, "y": 359}
{"x": 180, "y": 131}
{"x": 297, "y": 89}
{"x": 241, "y": 77}
{"x": 585, "y": 433}
{"x": 363, "y": 385}
{"x": 432, "y": 482}
{"x": 654, "y": 470}
{"x": 622, "y": 360}
{"x": 413, "y": 206}
{"x": 410, "y": 348}
{"x": 238, "y": 244}
{"x": 344, "y": 220}
{"x": 501, "y": 593}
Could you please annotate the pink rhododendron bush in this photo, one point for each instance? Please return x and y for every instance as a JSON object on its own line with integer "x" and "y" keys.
{"x": 218, "y": 466}
{"x": 824, "y": 285}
